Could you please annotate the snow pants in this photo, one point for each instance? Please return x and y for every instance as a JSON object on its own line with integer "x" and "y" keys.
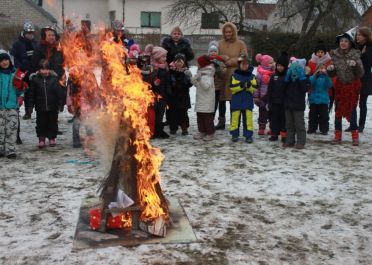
{"x": 8, "y": 131}
{"x": 247, "y": 123}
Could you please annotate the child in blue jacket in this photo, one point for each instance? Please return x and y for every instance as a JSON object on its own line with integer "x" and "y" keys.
{"x": 8, "y": 107}
{"x": 242, "y": 85}
{"x": 319, "y": 101}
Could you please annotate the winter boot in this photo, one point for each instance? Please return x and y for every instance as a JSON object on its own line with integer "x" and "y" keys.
{"x": 28, "y": 114}
{"x": 261, "y": 130}
{"x": 283, "y": 136}
{"x": 52, "y": 142}
{"x": 355, "y": 137}
{"x": 338, "y": 136}
{"x": 273, "y": 138}
{"x": 221, "y": 124}
{"x": 249, "y": 140}
{"x": 41, "y": 142}
{"x": 184, "y": 127}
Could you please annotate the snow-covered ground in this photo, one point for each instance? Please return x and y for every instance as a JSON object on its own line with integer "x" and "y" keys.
{"x": 248, "y": 204}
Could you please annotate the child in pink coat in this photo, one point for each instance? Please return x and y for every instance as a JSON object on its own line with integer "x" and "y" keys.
{"x": 264, "y": 72}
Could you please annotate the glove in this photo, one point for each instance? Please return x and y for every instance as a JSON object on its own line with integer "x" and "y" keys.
{"x": 157, "y": 82}
{"x": 18, "y": 82}
{"x": 330, "y": 67}
{"x": 188, "y": 73}
{"x": 351, "y": 63}
{"x": 20, "y": 101}
{"x": 61, "y": 108}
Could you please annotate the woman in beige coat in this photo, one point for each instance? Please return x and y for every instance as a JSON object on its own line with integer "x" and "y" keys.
{"x": 230, "y": 48}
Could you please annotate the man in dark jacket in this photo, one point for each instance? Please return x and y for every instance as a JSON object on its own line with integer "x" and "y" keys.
{"x": 22, "y": 51}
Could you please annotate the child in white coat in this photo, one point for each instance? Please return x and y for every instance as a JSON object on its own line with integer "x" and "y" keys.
{"x": 205, "y": 98}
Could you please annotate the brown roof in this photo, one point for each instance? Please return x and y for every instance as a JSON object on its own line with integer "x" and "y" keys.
{"x": 258, "y": 11}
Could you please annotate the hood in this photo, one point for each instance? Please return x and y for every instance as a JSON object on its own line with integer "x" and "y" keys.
{"x": 352, "y": 54}
{"x": 234, "y": 29}
{"x": 315, "y": 59}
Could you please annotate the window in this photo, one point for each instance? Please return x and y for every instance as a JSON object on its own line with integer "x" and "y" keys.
{"x": 210, "y": 21}
{"x": 38, "y": 2}
{"x": 150, "y": 19}
{"x": 112, "y": 15}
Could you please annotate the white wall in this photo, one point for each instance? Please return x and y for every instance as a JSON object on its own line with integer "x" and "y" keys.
{"x": 276, "y": 22}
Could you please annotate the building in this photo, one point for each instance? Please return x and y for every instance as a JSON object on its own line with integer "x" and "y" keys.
{"x": 141, "y": 16}
{"x": 256, "y": 15}
{"x": 16, "y": 12}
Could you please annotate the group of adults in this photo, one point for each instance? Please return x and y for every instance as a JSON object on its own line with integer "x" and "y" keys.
{"x": 28, "y": 53}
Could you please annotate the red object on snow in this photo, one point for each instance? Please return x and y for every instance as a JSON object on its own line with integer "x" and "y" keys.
{"x": 20, "y": 101}
{"x": 112, "y": 222}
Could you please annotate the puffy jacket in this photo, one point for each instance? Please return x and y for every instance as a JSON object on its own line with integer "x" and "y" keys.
{"x": 242, "y": 86}
{"x": 320, "y": 86}
{"x": 180, "y": 95}
{"x": 263, "y": 79}
{"x": 295, "y": 91}
{"x": 8, "y": 94}
{"x": 276, "y": 89}
{"x": 22, "y": 51}
{"x": 46, "y": 94}
{"x": 183, "y": 46}
{"x": 205, "y": 91}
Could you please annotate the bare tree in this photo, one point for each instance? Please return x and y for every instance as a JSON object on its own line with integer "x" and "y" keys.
{"x": 188, "y": 13}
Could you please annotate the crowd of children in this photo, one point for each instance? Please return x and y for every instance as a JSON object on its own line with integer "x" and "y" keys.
{"x": 278, "y": 89}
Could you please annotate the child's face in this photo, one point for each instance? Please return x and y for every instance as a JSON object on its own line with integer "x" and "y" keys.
{"x": 179, "y": 64}
{"x": 5, "y": 64}
{"x": 213, "y": 53}
{"x": 320, "y": 53}
{"x": 163, "y": 59}
{"x": 323, "y": 70}
{"x": 176, "y": 36}
{"x": 244, "y": 66}
{"x": 272, "y": 64}
{"x": 280, "y": 68}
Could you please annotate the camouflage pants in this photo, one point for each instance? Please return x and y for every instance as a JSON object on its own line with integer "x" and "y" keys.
{"x": 8, "y": 131}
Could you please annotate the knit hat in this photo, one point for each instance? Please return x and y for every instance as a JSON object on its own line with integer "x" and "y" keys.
{"x": 264, "y": 60}
{"x": 203, "y": 61}
{"x": 349, "y": 35}
{"x": 213, "y": 46}
{"x": 117, "y": 25}
{"x": 320, "y": 47}
{"x": 244, "y": 58}
{"x": 28, "y": 27}
{"x": 155, "y": 52}
{"x": 283, "y": 59}
{"x": 4, "y": 55}
{"x": 134, "y": 51}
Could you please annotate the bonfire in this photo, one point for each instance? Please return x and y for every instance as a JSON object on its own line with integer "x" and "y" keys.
{"x": 123, "y": 97}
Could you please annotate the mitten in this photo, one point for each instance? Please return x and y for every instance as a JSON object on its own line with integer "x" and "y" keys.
{"x": 188, "y": 73}
{"x": 351, "y": 63}
{"x": 157, "y": 82}
{"x": 20, "y": 101}
{"x": 330, "y": 67}
{"x": 18, "y": 82}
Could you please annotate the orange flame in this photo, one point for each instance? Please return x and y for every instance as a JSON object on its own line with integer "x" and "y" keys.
{"x": 125, "y": 95}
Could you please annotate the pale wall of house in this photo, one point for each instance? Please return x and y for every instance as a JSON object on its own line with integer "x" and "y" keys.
{"x": 94, "y": 10}
{"x": 98, "y": 12}
{"x": 275, "y": 22}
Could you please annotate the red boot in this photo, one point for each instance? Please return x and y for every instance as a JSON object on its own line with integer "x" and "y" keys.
{"x": 283, "y": 136}
{"x": 41, "y": 142}
{"x": 355, "y": 137}
{"x": 338, "y": 136}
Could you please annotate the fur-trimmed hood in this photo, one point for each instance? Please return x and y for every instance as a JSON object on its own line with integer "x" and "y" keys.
{"x": 234, "y": 29}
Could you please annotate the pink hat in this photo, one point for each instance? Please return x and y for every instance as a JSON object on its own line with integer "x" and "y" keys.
{"x": 134, "y": 51}
{"x": 155, "y": 52}
{"x": 264, "y": 60}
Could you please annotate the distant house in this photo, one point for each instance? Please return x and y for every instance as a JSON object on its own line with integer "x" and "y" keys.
{"x": 257, "y": 14}
{"x": 16, "y": 12}
{"x": 367, "y": 18}
{"x": 141, "y": 16}
{"x": 278, "y": 19}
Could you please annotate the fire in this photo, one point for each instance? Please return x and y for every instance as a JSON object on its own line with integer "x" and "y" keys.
{"x": 122, "y": 94}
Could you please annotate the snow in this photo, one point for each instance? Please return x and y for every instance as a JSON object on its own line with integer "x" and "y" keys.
{"x": 248, "y": 204}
